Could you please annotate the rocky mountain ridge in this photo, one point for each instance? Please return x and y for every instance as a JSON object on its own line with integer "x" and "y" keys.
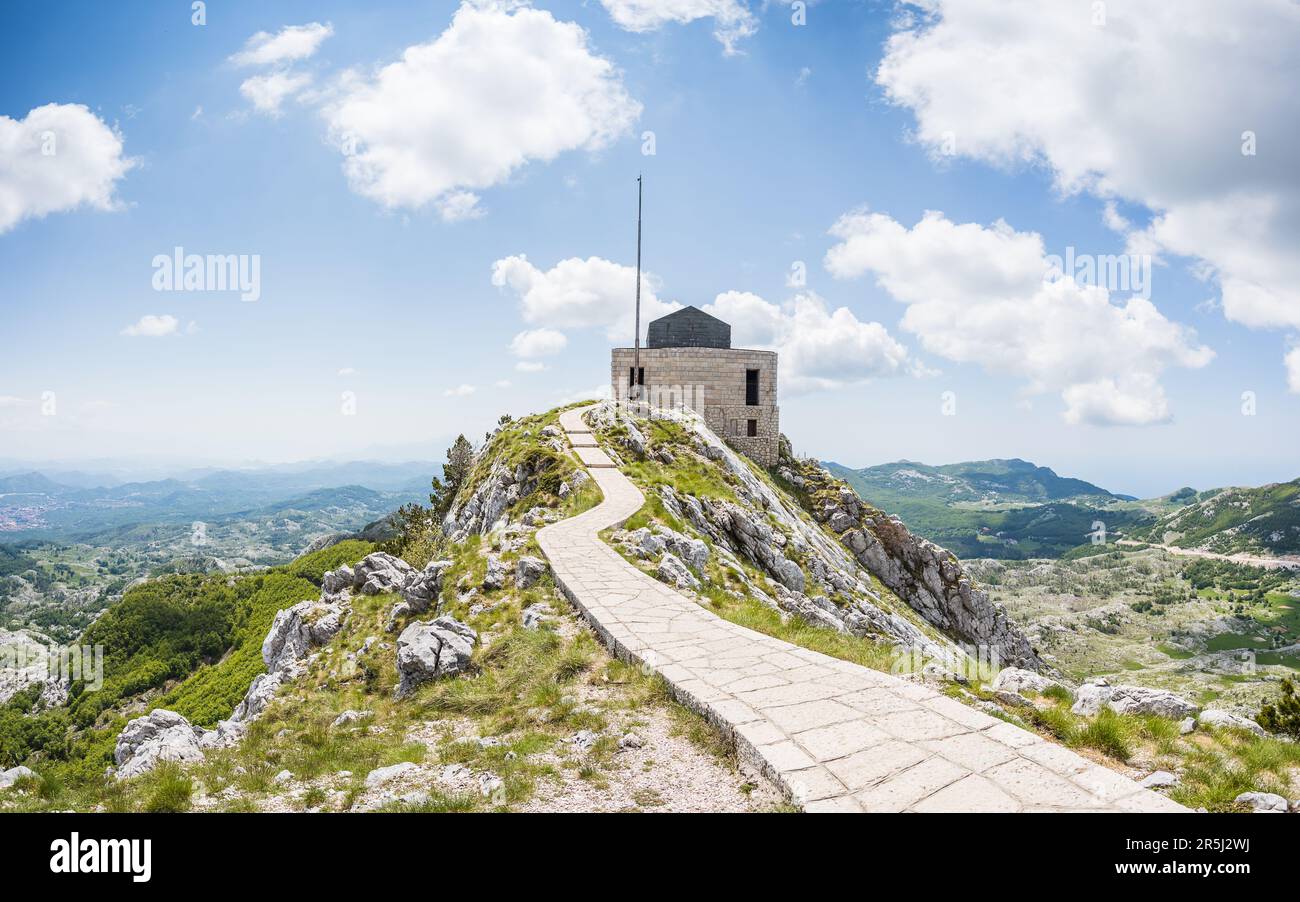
{"x": 821, "y": 551}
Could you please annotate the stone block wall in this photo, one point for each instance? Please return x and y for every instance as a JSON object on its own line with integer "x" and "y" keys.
{"x": 712, "y": 381}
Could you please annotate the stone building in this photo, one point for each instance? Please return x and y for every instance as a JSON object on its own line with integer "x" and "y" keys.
{"x": 689, "y": 361}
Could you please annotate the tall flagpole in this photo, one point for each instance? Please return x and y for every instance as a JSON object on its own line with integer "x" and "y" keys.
{"x": 636, "y": 365}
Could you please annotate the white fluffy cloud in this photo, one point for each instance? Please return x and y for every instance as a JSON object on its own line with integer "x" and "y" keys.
{"x": 503, "y": 85}
{"x": 151, "y": 326}
{"x": 1133, "y": 401}
{"x": 460, "y": 391}
{"x": 538, "y": 343}
{"x": 1293, "y": 369}
{"x": 57, "y": 158}
{"x": 732, "y": 19}
{"x": 289, "y": 44}
{"x": 819, "y": 348}
{"x": 576, "y": 293}
{"x": 980, "y": 295}
{"x": 268, "y": 92}
{"x": 1151, "y": 105}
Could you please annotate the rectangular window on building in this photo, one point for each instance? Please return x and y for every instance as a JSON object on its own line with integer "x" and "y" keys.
{"x": 753, "y": 428}
{"x": 751, "y": 387}
{"x": 635, "y": 376}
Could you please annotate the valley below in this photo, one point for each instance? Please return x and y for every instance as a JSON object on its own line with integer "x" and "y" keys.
{"x": 1194, "y": 592}
{"x": 1209, "y": 630}
{"x": 68, "y": 552}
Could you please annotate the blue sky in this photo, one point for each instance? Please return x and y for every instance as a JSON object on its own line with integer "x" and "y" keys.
{"x": 377, "y": 258}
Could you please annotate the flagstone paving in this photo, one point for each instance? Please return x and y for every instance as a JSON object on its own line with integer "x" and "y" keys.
{"x": 834, "y": 735}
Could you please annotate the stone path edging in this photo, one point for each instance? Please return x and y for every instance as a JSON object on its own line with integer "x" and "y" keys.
{"x": 833, "y": 735}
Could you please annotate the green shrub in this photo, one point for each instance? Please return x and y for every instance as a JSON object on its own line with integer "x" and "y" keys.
{"x": 1283, "y": 715}
{"x": 313, "y": 566}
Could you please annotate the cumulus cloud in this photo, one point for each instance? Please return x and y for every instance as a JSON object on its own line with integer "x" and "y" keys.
{"x": 503, "y": 85}
{"x": 1292, "y": 361}
{"x": 819, "y": 348}
{"x": 1134, "y": 401}
{"x": 268, "y": 92}
{"x": 151, "y": 326}
{"x": 977, "y": 294}
{"x": 460, "y": 391}
{"x": 58, "y": 157}
{"x": 538, "y": 343}
{"x": 576, "y": 293}
{"x": 289, "y": 44}
{"x": 531, "y": 366}
{"x": 731, "y": 18}
{"x": 1128, "y": 108}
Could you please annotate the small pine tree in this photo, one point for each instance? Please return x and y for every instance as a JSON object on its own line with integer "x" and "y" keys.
{"x": 1282, "y": 716}
{"x": 460, "y": 460}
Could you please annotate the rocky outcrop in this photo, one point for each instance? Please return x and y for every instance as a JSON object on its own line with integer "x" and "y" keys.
{"x": 349, "y": 716}
{"x": 160, "y": 735}
{"x": 337, "y": 582}
{"x": 533, "y": 616}
{"x": 495, "y": 577}
{"x": 1263, "y": 802}
{"x": 297, "y": 629}
{"x": 672, "y": 571}
{"x": 1216, "y": 717}
{"x": 1161, "y": 779}
{"x": 380, "y": 572}
{"x": 528, "y": 570}
{"x": 424, "y": 586}
{"x": 929, "y": 578}
{"x": 1018, "y": 680}
{"x": 381, "y": 775}
{"x": 14, "y": 774}
{"x": 427, "y": 651}
{"x": 25, "y": 659}
{"x": 1092, "y": 696}
{"x": 654, "y": 542}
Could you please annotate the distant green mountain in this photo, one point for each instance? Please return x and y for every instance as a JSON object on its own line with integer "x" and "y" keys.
{"x": 995, "y": 508}
{"x": 974, "y": 481}
{"x": 1264, "y": 520}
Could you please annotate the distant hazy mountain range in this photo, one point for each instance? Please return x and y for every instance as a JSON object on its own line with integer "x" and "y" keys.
{"x": 36, "y": 506}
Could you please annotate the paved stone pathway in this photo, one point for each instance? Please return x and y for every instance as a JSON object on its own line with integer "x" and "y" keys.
{"x": 834, "y": 735}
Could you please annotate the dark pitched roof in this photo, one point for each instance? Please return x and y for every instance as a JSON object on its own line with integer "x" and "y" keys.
{"x": 689, "y": 327}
